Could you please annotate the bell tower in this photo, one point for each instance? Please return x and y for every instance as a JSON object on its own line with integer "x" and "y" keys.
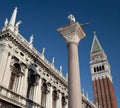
{"x": 103, "y": 89}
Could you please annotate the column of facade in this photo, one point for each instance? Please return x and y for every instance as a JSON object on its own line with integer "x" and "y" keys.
{"x": 107, "y": 93}
{"x": 103, "y": 93}
{"x": 5, "y": 68}
{"x": 38, "y": 92}
{"x": 66, "y": 106}
{"x": 49, "y": 98}
{"x": 99, "y": 92}
{"x": 59, "y": 102}
{"x": 72, "y": 34}
{"x": 111, "y": 93}
{"x": 35, "y": 93}
{"x": 19, "y": 84}
{"x": 25, "y": 83}
{"x": 95, "y": 91}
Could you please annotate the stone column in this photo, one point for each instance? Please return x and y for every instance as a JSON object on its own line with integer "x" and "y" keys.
{"x": 38, "y": 92}
{"x": 59, "y": 102}
{"x": 73, "y": 33}
{"x": 49, "y": 98}
{"x": 5, "y": 67}
{"x": 25, "y": 83}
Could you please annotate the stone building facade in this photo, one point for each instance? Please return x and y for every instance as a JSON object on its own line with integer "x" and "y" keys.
{"x": 27, "y": 78}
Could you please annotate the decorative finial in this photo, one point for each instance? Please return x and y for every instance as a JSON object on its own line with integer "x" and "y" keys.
{"x": 60, "y": 68}
{"x": 6, "y": 23}
{"x": 53, "y": 60}
{"x": 13, "y": 17}
{"x": 12, "y": 20}
{"x": 18, "y": 23}
{"x": 31, "y": 39}
{"x": 16, "y": 8}
{"x": 43, "y": 51}
{"x": 71, "y": 18}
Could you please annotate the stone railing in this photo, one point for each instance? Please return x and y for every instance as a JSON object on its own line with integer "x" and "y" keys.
{"x": 12, "y": 96}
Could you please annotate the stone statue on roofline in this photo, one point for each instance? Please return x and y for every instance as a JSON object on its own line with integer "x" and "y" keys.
{"x": 53, "y": 60}
{"x": 6, "y": 23}
{"x": 31, "y": 39}
{"x": 60, "y": 68}
{"x": 17, "y": 24}
{"x": 43, "y": 51}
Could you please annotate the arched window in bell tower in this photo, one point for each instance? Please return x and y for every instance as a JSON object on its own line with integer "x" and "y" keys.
{"x": 94, "y": 69}
{"x": 103, "y": 68}
{"x": 97, "y": 69}
{"x": 100, "y": 68}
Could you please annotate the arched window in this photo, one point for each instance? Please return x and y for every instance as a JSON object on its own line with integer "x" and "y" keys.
{"x": 94, "y": 69}
{"x": 100, "y": 68}
{"x": 103, "y": 68}
{"x": 97, "y": 69}
{"x": 14, "y": 79}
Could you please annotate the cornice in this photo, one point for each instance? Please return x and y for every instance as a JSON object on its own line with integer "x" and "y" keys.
{"x": 19, "y": 40}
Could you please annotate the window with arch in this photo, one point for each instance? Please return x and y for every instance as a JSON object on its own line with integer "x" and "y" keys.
{"x": 103, "y": 68}
{"x": 100, "y": 68}
{"x": 97, "y": 69}
{"x": 94, "y": 69}
{"x": 14, "y": 78}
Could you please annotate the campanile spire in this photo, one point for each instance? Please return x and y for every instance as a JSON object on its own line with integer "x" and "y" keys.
{"x": 104, "y": 95}
{"x": 95, "y": 45}
{"x": 12, "y": 20}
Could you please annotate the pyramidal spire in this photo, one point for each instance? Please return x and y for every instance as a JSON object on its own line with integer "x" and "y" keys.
{"x": 95, "y": 44}
{"x": 12, "y": 20}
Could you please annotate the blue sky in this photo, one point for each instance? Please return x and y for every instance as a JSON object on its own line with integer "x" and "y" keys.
{"x": 42, "y": 18}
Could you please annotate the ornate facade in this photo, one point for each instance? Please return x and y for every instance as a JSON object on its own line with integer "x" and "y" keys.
{"x": 27, "y": 78}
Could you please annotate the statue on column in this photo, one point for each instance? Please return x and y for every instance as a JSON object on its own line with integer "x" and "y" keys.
{"x": 71, "y": 18}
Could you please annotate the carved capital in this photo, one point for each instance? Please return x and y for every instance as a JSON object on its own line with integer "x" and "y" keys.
{"x": 73, "y": 38}
{"x": 72, "y": 32}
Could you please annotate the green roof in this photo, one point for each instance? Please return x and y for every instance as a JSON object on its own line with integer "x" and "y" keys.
{"x": 96, "y": 45}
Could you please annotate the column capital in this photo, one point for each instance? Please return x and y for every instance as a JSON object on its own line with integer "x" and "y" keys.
{"x": 72, "y": 33}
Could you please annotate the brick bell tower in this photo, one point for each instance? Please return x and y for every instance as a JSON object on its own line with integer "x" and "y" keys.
{"x": 103, "y": 89}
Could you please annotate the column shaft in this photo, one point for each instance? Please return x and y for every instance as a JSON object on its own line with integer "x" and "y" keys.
{"x": 74, "y": 97}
